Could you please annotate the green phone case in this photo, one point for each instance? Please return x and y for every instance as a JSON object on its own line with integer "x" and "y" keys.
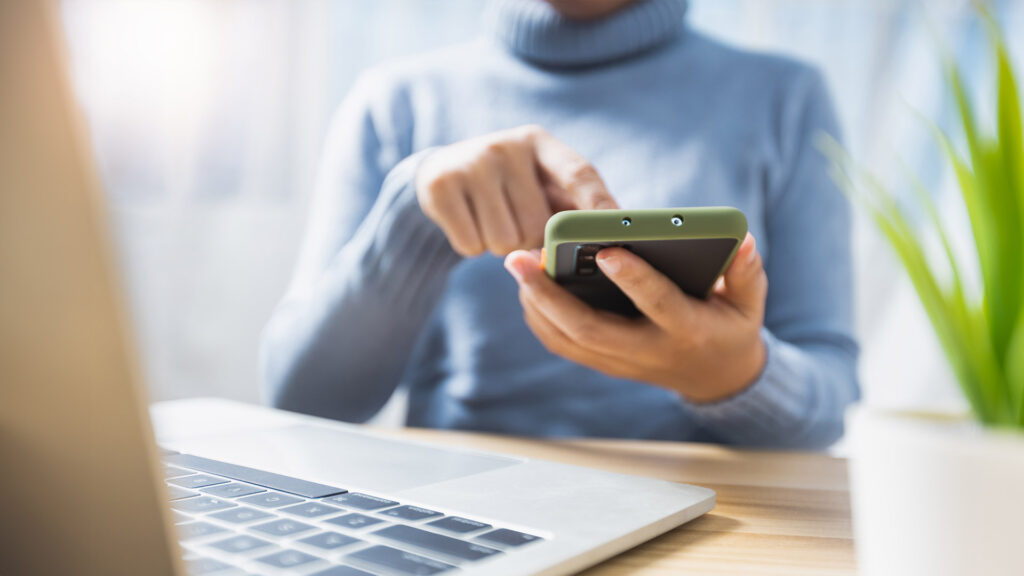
{"x": 692, "y": 246}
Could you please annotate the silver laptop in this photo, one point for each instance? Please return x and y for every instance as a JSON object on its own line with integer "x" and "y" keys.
{"x": 233, "y": 489}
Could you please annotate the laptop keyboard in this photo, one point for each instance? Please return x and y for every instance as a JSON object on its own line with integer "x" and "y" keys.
{"x": 237, "y": 520}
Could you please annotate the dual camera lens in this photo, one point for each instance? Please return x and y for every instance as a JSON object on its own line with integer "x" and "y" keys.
{"x": 676, "y": 221}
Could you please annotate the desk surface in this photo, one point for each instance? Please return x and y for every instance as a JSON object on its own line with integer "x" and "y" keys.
{"x": 777, "y": 512}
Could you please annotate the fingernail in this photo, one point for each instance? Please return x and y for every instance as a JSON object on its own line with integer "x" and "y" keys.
{"x": 519, "y": 267}
{"x": 754, "y": 254}
{"x": 610, "y": 264}
{"x": 511, "y": 267}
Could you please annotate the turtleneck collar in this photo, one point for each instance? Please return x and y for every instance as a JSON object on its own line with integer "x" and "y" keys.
{"x": 534, "y": 31}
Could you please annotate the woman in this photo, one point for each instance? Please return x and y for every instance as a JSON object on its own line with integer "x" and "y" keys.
{"x": 438, "y": 166}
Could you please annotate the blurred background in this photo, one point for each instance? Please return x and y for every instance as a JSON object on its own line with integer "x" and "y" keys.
{"x": 208, "y": 116}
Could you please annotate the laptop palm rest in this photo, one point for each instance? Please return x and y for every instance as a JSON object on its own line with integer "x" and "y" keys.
{"x": 344, "y": 458}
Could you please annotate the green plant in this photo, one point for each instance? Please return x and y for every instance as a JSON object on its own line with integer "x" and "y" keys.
{"x": 981, "y": 329}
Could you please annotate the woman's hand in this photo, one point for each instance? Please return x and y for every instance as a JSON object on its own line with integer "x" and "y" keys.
{"x": 496, "y": 192}
{"x": 703, "y": 350}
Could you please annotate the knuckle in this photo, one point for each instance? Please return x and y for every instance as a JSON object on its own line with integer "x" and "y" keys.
{"x": 581, "y": 171}
{"x": 630, "y": 280}
{"x": 496, "y": 151}
{"x": 480, "y": 174}
{"x": 633, "y": 285}
{"x": 661, "y": 304}
{"x": 443, "y": 184}
{"x": 666, "y": 295}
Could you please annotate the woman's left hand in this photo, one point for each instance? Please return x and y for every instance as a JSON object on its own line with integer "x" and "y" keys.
{"x": 705, "y": 350}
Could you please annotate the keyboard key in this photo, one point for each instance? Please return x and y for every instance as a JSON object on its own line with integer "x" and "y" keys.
{"x": 410, "y": 513}
{"x": 509, "y": 537}
{"x": 197, "y": 481}
{"x": 436, "y": 542}
{"x": 201, "y": 504}
{"x": 197, "y": 530}
{"x": 254, "y": 476}
{"x": 239, "y": 544}
{"x": 362, "y": 501}
{"x": 232, "y": 490}
{"x": 288, "y": 559}
{"x": 329, "y": 540}
{"x": 354, "y": 521}
{"x": 174, "y": 471}
{"x": 458, "y": 524}
{"x": 241, "y": 515}
{"x": 206, "y": 566}
{"x": 404, "y": 562}
{"x": 180, "y": 518}
{"x": 282, "y": 527}
{"x": 270, "y": 500}
{"x": 342, "y": 571}
{"x": 311, "y": 509}
{"x": 177, "y": 493}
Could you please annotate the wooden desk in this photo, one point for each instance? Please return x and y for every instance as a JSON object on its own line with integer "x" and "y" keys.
{"x": 777, "y": 512}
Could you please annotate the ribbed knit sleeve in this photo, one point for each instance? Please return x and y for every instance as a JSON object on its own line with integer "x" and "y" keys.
{"x": 339, "y": 349}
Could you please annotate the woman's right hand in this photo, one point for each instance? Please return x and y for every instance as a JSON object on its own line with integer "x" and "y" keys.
{"x": 496, "y": 192}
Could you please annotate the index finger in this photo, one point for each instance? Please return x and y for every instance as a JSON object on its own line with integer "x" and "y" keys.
{"x": 571, "y": 172}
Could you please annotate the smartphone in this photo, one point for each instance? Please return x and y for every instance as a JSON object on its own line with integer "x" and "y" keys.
{"x": 692, "y": 246}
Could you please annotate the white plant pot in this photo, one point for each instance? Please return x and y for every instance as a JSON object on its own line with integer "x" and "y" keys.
{"x": 934, "y": 495}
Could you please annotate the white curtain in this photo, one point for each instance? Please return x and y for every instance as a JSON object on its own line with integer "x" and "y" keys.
{"x": 207, "y": 118}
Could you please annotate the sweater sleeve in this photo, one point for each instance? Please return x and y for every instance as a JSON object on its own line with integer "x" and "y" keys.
{"x": 370, "y": 272}
{"x": 810, "y": 375}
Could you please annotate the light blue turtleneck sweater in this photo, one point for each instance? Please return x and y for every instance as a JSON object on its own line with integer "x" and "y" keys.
{"x": 669, "y": 117}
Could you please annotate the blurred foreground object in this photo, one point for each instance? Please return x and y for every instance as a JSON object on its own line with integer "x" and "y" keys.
{"x": 936, "y": 495}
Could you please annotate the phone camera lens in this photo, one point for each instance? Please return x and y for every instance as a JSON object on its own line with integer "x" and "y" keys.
{"x": 677, "y": 220}
{"x": 626, "y": 222}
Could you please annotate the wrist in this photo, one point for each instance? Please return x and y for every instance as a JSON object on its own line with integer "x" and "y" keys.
{"x": 737, "y": 372}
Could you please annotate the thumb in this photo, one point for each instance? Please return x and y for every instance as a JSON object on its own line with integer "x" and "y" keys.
{"x": 571, "y": 173}
{"x": 746, "y": 284}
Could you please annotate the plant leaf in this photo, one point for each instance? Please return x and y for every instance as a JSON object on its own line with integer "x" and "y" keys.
{"x": 1015, "y": 369}
{"x": 1010, "y": 153}
{"x": 983, "y": 338}
{"x": 925, "y": 199}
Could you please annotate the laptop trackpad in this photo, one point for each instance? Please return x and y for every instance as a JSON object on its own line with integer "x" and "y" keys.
{"x": 344, "y": 458}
